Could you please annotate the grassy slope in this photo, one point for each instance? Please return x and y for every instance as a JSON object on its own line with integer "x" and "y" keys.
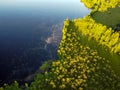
{"x": 108, "y": 18}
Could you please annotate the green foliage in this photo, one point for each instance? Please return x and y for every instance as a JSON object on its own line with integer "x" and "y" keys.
{"x": 14, "y": 86}
{"x": 100, "y": 38}
{"x": 46, "y": 65}
{"x": 83, "y": 65}
{"x": 101, "y": 5}
{"x": 41, "y": 82}
{"x": 103, "y": 52}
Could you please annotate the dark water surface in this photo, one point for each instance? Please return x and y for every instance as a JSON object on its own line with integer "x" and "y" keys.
{"x": 30, "y": 32}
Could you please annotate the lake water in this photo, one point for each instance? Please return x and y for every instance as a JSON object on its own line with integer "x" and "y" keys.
{"x": 26, "y": 34}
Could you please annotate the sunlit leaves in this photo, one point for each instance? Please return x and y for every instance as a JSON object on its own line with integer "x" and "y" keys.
{"x": 103, "y": 35}
{"x": 101, "y": 5}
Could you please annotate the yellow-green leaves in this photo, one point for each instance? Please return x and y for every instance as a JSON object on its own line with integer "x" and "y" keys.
{"x": 100, "y": 5}
{"x": 103, "y": 35}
